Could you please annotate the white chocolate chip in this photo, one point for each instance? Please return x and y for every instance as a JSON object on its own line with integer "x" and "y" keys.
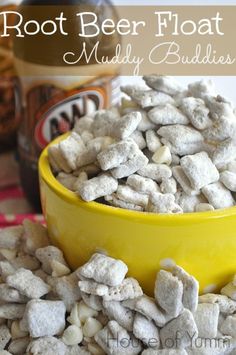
{"x": 91, "y": 327}
{"x": 72, "y": 335}
{"x": 162, "y": 156}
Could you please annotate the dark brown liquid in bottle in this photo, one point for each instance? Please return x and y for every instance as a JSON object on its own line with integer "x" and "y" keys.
{"x": 49, "y": 109}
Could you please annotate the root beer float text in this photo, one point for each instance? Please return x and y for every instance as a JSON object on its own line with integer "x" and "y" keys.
{"x": 167, "y": 22}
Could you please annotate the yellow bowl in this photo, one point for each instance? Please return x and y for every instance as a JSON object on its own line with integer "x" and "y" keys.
{"x": 203, "y": 243}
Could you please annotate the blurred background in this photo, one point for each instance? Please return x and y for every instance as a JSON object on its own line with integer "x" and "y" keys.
{"x": 20, "y": 111}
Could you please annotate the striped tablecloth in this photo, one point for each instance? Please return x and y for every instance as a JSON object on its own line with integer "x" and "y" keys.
{"x": 14, "y": 201}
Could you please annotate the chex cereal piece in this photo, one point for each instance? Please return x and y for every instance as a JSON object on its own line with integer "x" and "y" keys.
{"x": 139, "y": 139}
{"x": 83, "y": 124}
{"x": 67, "y": 180}
{"x": 206, "y": 318}
{"x": 127, "y": 194}
{"x": 113, "y": 200}
{"x": 226, "y": 305}
{"x": 66, "y": 288}
{"x": 145, "y": 124}
{"x": 201, "y": 88}
{"x": 131, "y": 166}
{"x": 188, "y": 148}
{"x": 142, "y": 184}
{"x": 83, "y": 176}
{"x": 128, "y": 289}
{"x": 146, "y": 331}
{"x": 47, "y": 346}
{"x": 229, "y": 180}
{"x": 184, "y": 182}
{"x": 45, "y": 318}
{"x": 218, "y": 196}
{"x": 117, "y": 153}
{"x": 163, "y": 203}
{"x": 93, "y": 288}
{"x": 229, "y": 326}
{"x": 156, "y": 172}
{"x": 87, "y": 157}
{"x": 11, "y": 237}
{"x": 218, "y": 106}
{"x": 168, "y": 186}
{"x": 126, "y": 125}
{"x": 179, "y": 135}
{"x": 28, "y": 284}
{"x": 116, "y": 311}
{"x": 183, "y": 322}
{"x": 70, "y": 149}
{"x": 197, "y": 112}
{"x": 103, "y": 122}
{"x": 100, "y": 143}
{"x": 104, "y": 269}
{"x": 190, "y": 288}
{"x": 222, "y": 129}
{"x": 225, "y": 153}
{"x": 86, "y": 136}
{"x": 188, "y": 203}
{"x": 167, "y": 115}
{"x": 166, "y": 84}
{"x": 148, "y": 307}
{"x": 56, "y": 159}
{"x": 11, "y": 295}
{"x": 26, "y": 261}
{"x": 12, "y": 311}
{"x": 146, "y": 98}
{"x": 47, "y": 254}
{"x": 35, "y": 236}
{"x": 168, "y": 293}
{"x": 199, "y": 169}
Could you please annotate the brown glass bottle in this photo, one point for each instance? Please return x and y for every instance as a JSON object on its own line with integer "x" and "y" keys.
{"x": 8, "y": 120}
{"x": 52, "y": 104}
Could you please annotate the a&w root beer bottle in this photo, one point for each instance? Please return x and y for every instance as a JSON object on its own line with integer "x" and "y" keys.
{"x": 52, "y": 103}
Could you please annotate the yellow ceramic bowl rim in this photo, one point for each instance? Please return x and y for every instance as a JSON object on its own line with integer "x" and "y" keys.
{"x": 47, "y": 175}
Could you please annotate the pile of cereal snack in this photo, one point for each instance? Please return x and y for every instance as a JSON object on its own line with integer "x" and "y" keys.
{"x": 46, "y": 309}
{"x": 167, "y": 149}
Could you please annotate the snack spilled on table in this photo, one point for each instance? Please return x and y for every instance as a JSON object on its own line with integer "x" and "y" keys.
{"x": 46, "y": 309}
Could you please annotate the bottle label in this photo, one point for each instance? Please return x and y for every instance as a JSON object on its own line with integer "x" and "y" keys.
{"x": 51, "y": 111}
{"x": 61, "y": 117}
